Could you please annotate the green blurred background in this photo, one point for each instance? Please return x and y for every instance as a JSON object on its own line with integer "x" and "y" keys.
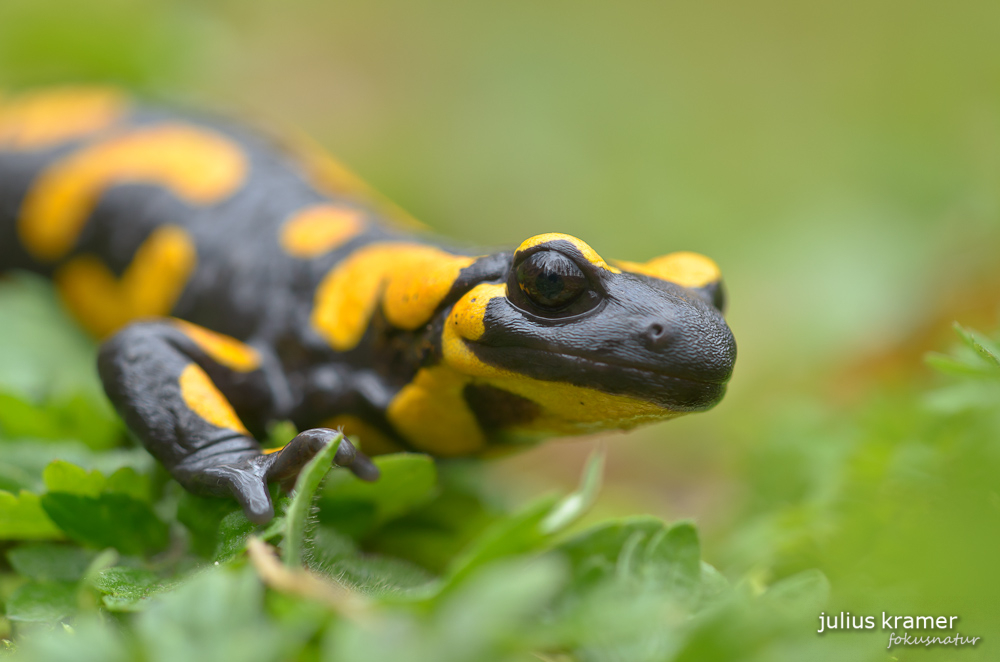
{"x": 839, "y": 160}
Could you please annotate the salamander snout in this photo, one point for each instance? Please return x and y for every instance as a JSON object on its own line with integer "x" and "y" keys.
{"x": 688, "y": 340}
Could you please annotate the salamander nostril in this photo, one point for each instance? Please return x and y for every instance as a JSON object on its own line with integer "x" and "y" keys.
{"x": 658, "y": 335}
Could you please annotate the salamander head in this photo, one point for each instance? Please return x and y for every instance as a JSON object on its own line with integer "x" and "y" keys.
{"x": 563, "y": 341}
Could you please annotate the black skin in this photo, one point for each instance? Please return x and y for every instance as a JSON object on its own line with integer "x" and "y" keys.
{"x": 619, "y": 333}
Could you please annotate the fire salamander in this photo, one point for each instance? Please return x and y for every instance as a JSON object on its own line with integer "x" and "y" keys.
{"x": 236, "y": 281}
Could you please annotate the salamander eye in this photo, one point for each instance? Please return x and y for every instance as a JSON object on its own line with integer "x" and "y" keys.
{"x": 551, "y": 280}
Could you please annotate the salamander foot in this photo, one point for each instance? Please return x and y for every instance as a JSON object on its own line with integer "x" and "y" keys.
{"x": 246, "y": 480}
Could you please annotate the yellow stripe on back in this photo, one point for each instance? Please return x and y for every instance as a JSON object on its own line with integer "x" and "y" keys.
{"x": 203, "y": 398}
{"x": 199, "y": 166}
{"x": 408, "y": 280}
{"x": 319, "y": 229}
{"x": 226, "y": 350}
{"x": 150, "y": 286}
{"x": 46, "y": 118}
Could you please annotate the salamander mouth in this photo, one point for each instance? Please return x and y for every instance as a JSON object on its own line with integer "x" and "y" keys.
{"x": 640, "y": 382}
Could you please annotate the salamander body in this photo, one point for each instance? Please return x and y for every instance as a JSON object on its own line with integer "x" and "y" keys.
{"x": 235, "y": 282}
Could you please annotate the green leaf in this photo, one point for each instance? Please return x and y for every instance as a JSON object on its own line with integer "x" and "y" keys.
{"x": 433, "y": 535}
{"x": 353, "y": 506}
{"x": 306, "y": 487}
{"x": 47, "y": 562}
{"x": 516, "y": 534}
{"x": 20, "y": 418}
{"x": 15, "y": 479}
{"x": 103, "y": 512}
{"x": 130, "y": 482}
{"x": 499, "y": 602}
{"x": 109, "y": 520}
{"x": 963, "y": 396}
{"x": 234, "y": 530}
{"x": 950, "y": 366}
{"x": 982, "y": 346}
{"x": 203, "y": 518}
{"x": 22, "y": 518}
{"x": 128, "y": 589}
{"x": 642, "y": 550}
{"x": 89, "y": 640}
{"x": 335, "y": 555}
{"x": 25, "y": 461}
{"x": 218, "y": 615}
{"x": 803, "y": 593}
{"x": 42, "y": 602}
{"x": 496, "y": 614}
{"x": 78, "y": 417}
{"x": 61, "y": 476}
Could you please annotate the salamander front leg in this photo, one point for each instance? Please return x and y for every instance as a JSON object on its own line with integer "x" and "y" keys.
{"x": 179, "y": 388}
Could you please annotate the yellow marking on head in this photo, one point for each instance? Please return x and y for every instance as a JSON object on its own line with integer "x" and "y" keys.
{"x": 684, "y": 268}
{"x": 570, "y": 409}
{"x": 372, "y": 440}
{"x": 466, "y": 322}
{"x": 431, "y": 413}
{"x": 46, "y": 118}
{"x": 226, "y": 350}
{"x": 150, "y": 286}
{"x": 203, "y": 398}
{"x": 268, "y": 451}
{"x": 199, "y": 166}
{"x": 408, "y": 280}
{"x": 589, "y": 253}
{"x": 316, "y": 230}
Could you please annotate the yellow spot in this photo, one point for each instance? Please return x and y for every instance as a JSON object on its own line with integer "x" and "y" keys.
{"x": 149, "y": 287}
{"x": 430, "y": 412}
{"x": 46, "y": 118}
{"x": 226, "y": 350}
{"x": 204, "y": 399}
{"x": 199, "y": 166}
{"x": 684, "y": 268}
{"x": 588, "y": 253}
{"x": 320, "y": 229}
{"x": 373, "y": 441}
{"x": 408, "y": 280}
{"x": 268, "y": 451}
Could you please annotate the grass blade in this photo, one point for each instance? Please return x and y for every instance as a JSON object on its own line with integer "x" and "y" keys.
{"x": 306, "y": 488}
